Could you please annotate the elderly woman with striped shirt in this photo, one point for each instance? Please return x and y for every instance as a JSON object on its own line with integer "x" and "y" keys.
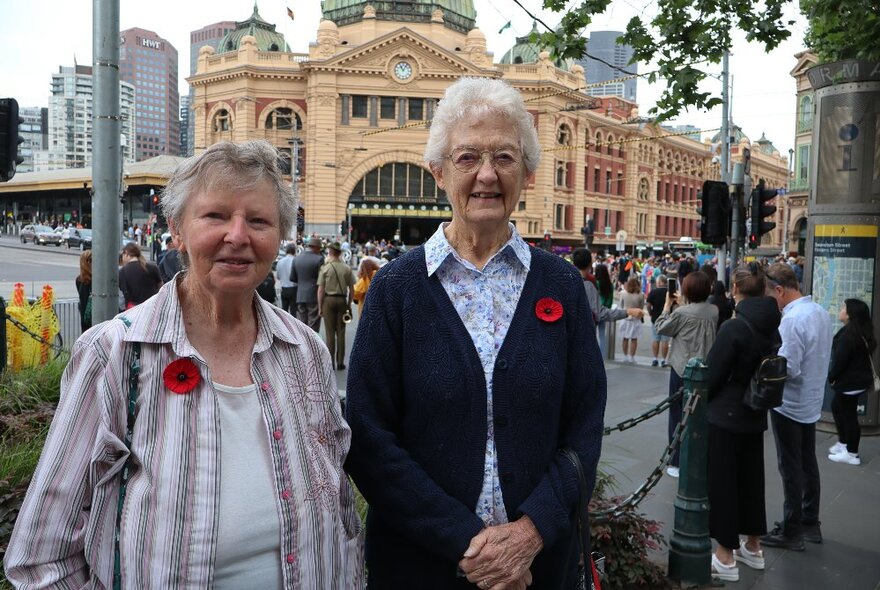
{"x": 199, "y": 440}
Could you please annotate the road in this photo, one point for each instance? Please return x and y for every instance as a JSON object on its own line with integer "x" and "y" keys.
{"x": 36, "y": 266}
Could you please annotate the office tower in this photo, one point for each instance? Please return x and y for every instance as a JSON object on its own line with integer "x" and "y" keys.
{"x": 149, "y": 62}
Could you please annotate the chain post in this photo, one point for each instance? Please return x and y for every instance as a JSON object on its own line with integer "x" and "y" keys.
{"x": 690, "y": 549}
{"x": 3, "y": 351}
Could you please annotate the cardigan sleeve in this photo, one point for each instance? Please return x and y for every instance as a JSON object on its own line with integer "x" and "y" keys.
{"x": 551, "y": 504}
{"x": 391, "y": 480}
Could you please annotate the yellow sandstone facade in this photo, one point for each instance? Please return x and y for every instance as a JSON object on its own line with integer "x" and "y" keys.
{"x": 355, "y": 110}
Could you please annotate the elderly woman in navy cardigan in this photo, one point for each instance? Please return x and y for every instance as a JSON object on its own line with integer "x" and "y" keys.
{"x": 475, "y": 362}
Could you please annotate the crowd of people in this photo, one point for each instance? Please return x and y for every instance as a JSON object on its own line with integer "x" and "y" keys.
{"x": 200, "y": 440}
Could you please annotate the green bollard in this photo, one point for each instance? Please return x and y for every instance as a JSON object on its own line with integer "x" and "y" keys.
{"x": 690, "y": 549}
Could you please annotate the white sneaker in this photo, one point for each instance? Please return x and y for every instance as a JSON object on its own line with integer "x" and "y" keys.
{"x": 728, "y": 573}
{"x": 754, "y": 560}
{"x": 836, "y": 448}
{"x": 672, "y": 471}
{"x": 846, "y": 457}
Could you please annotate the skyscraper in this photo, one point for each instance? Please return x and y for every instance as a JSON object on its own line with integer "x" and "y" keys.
{"x": 70, "y": 121}
{"x": 35, "y": 131}
{"x": 149, "y": 62}
{"x": 603, "y": 44}
{"x": 207, "y": 35}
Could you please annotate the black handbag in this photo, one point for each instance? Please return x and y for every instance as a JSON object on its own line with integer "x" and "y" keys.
{"x": 583, "y": 526}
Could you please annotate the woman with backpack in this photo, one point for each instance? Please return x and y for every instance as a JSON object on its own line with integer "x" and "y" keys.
{"x": 736, "y": 431}
{"x": 851, "y": 373}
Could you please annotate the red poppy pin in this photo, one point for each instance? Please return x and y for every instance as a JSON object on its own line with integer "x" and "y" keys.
{"x": 181, "y": 376}
{"x": 548, "y": 309}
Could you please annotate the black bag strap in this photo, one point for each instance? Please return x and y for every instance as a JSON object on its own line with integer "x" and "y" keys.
{"x": 582, "y": 515}
{"x": 133, "y": 374}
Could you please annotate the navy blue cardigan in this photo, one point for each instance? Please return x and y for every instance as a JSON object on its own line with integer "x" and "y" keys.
{"x": 416, "y": 403}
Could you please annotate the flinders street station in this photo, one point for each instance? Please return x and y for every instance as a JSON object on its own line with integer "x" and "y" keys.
{"x": 354, "y": 113}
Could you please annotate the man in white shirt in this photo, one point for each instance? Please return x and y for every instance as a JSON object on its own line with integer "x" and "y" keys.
{"x": 288, "y": 287}
{"x": 806, "y": 345}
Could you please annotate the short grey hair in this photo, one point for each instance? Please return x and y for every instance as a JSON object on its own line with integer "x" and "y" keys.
{"x": 661, "y": 280}
{"x": 233, "y": 166}
{"x": 471, "y": 98}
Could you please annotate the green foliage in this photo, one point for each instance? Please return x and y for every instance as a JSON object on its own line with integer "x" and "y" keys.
{"x": 27, "y": 404}
{"x": 685, "y": 34}
{"x": 625, "y": 543}
{"x": 843, "y": 29}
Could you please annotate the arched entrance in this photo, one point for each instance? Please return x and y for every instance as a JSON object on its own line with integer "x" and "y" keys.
{"x": 397, "y": 200}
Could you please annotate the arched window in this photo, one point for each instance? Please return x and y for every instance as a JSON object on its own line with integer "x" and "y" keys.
{"x": 222, "y": 121}
{"x": 563, "y": 135}
{"x": 610, "y": 145}
{"x": 283, "y": 119}
{"x": 806, "y": 118}
{"x": 598, "y": 141}
{"x": 398, "y": 182}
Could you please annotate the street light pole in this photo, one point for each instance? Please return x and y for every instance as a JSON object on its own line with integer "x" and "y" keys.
{"x": 106, "y": 164}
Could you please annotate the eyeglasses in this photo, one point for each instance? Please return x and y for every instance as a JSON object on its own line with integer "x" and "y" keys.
{"x": 467, "y": 159}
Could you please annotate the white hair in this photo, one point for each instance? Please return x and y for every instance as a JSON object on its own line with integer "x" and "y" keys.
{"x": 234, "y": 166}
{"x": 472, "y": 99}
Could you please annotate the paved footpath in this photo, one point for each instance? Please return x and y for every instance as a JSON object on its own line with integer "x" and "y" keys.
{"x": 849, "y": 557}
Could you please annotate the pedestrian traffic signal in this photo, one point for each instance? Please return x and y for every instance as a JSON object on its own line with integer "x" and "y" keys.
{"x": 760, "y": 210}
{"x": 9, "y": 138}
{"x": 714, "y": 210}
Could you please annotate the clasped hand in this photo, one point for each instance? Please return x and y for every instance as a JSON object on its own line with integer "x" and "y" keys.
{"x": 499, "y": 557}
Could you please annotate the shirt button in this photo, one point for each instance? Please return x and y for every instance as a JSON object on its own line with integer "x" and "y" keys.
{"x": 277, "y": 435}
{"x": 265, "y": 385}
{"x": 290, "y": 558}
{"x": 285, "y": 494}
{"x": 502, "y": 364}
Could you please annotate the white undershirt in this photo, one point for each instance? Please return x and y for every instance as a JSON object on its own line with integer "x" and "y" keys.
{"x": 249, "y": 536}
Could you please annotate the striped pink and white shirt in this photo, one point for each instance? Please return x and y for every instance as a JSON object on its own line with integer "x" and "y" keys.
{"x": 64, "y": 535}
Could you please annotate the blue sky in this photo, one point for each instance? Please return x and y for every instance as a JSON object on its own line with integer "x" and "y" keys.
{"x": 763, "y": 91}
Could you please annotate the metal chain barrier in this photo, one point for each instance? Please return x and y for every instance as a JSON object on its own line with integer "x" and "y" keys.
{"x": 57, "y": 348}
{"x": 656, "y": 475}
{"x": 658, "y": 409}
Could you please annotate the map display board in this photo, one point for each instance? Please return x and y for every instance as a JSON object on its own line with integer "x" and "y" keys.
{"x": 843, "y": 265}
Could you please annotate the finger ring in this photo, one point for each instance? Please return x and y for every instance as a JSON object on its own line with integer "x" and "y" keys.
{"x": 485, "y": 583}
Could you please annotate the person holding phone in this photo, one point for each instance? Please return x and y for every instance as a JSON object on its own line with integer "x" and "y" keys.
{"x": 692, "y": 328}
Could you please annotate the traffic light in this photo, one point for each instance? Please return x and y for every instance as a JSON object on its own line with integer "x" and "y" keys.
{"x": 714, "y": 212}
{"x": 759, "y": 211}
{"x": 343, "y": 227}
{"x": 154, "y": 200}
{"x": 9, "y": 138}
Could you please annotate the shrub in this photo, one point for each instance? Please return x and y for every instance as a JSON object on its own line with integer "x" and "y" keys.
{"x": 625, "y": 542}
{"x": 27, "y": 403}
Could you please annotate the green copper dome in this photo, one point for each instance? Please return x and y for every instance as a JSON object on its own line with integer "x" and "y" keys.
{"x": 458, "y": 15}
{"x": 526, "y": 52}
{"x": 268, "y": 39}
